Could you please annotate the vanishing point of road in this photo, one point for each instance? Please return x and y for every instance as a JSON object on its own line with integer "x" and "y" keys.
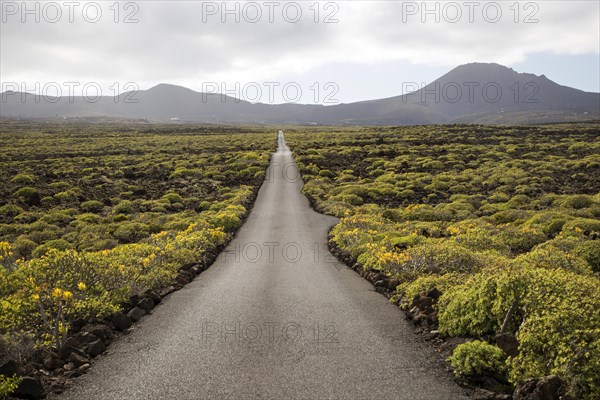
{"x": 275, "y": 317}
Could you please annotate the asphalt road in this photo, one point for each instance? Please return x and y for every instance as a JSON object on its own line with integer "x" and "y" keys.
{"x": 275, "y": 317}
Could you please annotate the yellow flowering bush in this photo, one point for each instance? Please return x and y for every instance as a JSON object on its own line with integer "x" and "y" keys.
{"x": 556, "y": 318}
{"x": 7, "y": 256}
{"x": 490, "y": 222}
{"x": 98, "y": 225}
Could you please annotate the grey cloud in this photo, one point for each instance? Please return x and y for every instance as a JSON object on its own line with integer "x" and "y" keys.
{"x": 172, "y": 43}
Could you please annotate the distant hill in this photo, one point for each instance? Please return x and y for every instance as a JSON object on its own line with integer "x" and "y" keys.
{"x": 470, "y": 93}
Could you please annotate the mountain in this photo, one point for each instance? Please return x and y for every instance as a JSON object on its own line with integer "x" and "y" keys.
{"x": 470, "y": 93}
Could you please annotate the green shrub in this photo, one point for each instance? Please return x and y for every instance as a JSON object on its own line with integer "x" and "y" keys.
{"x": 551, "y": 223}
{"x": 576, "y": 201}
{"x": 185, "y": 173}
{"x": 10, "y": 210}
{"x": 124, "y": 207}
{"x": 326, "y": 173}
{"x": 405, "y": 241}
{"x": 478, "y": 236}
{"x": 92, "y": 206}
{"x": 28, "y": 195}
{"x": 126, "y": 195}
{"x": 477, "y": 358}
{"x": 131, "y": 232}
{"x": 560, "y": 334}
{"x": 228, "y": 219}
{"x": 68, "y": 196}
{"x": 518, "y": 202}
{"x": 499, "y": 197}
{"x": 521, "y": 239}
{"x": 408, "y": 290}
{"x": 58, "y": 218}
{"x": 590, "y": 252}
{"x": 102, "y": 244}
{"x": 89, "y": 218}
{"x": 556, "y": 319}
{"x": 469, "y": 309}
{"x": 23, "y": 179}
{"x": 43, "y": 236}
{"x": 433, "y": 257}
{"x": 550, "y": 257}
{"x": 587, "y": 226}
{"x": 172, "y": 198}
{"x": 120, "y": 218}
{"x": 350, "y": 199}
{"x": 425, "y": 212}
{"x": 508, "y": 216}
{"x": 59, "y": 186}
{"x": 23, "y": 246}
{"x": 56, "y": 244}
{"x": 27, "y": 217}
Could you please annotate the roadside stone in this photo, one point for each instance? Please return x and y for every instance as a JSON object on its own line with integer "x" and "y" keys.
{"x": 483, "y": 394}
{"x": 84, "y": 367}
{"x": 146, "y": 304}
{"x": 548, "y": 388}
{"x": 104, "y": 332}
{"x": 29, "y": 369}
{"x": 508, "y": 343}
{"x": 493, "y": 382}
{"x": 434, "y": 293}
{"x": 73, "y": 374}
{"x": 121, "y": 321}
{"x": 432, "y": 318}
{"x": 420, "y": 317}
{"x": 136, "y": 314}
{"x": 188, "y": 266}
{"x": 422, "y": 302}
{"x": 551, "y": 387}
{"x": 77, "y": 324}
{"x": 51, "y": 362}
{"x": 376, "y": 277}
{"x": 66, "y": 352}
{"x": 391, "y": 284}
{"x": 81, "y": 339}
{"x": 95, "y": 348}
{"x": 154, "y": 295}
{"x": 451, "y": 343}
{"x": 166, "y": 291}
{"x": 56, "y": 384}
{"x": 183, "y": 278}
{"x": 8, "y": 366}
{"x": 30, "y": 388}
{"x": 134, "y": 299}
{"x": 77, "y": 359}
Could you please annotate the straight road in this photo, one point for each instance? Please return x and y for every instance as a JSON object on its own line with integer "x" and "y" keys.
{"x": 275, "y": 317}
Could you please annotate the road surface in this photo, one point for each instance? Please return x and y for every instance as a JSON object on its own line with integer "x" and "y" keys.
{"x": 275, "y": 317}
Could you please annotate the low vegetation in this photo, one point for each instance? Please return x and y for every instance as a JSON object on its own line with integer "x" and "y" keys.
{"x": 93, "y": 214}
{"x": 503, "y": 221}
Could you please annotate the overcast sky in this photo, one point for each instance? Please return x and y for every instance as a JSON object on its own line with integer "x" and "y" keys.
{"x": 328, "y": 51}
